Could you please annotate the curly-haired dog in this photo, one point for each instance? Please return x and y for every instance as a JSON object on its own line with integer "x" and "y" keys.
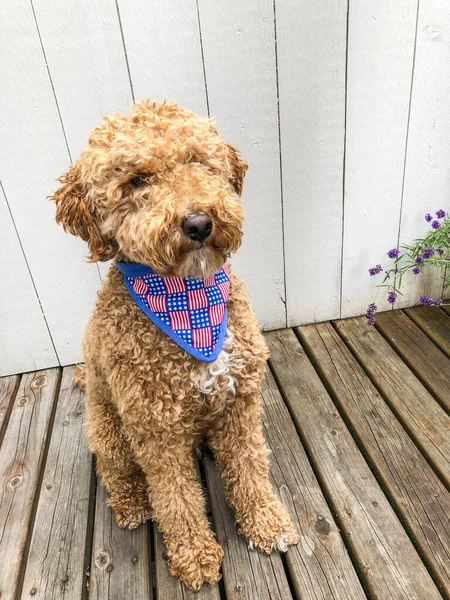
{"x": 160, "y": 187}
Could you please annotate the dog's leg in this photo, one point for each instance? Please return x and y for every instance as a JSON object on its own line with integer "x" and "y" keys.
{"x": 177, "y": 503}
{"x": 119, "y": 472}
{"x": 239, "y": 449}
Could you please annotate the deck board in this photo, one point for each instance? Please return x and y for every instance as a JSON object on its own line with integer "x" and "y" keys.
{"x": 388, "y": 562}
{"x": 21, "y": 457}
{"x": 420, "y": 414}
{"x": 120, "y": 566}
{"x": 423, "y": 357}
{"x": 359, "y": 432}
{"x": 319, "y": 566}
{"x": 56, "y": 560}
{"x": 419, "y": 495}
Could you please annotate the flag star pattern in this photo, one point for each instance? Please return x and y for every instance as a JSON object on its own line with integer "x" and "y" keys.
{"x": 192, "y": 311}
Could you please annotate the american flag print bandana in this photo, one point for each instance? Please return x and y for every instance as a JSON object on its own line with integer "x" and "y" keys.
{"x": 191, "y": 311}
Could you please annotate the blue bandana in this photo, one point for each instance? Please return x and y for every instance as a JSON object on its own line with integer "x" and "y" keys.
{"x": 191, "y": 311}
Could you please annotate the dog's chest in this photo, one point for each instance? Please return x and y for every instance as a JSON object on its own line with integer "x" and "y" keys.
{"x": 222, "y": 374}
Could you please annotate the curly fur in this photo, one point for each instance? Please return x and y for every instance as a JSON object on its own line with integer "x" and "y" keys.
{"x": 149, "y": 403}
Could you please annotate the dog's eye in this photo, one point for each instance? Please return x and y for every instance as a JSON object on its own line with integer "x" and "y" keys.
{"x": 140, "y": 180}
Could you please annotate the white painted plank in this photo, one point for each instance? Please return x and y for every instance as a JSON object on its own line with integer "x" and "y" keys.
{"x": 25, "y": 343}
{"x": 427, "y": 173}
{"x": 163, "y": 46}
{"x": 86, "y": 57}
{"x": 380, "y": 58}
{"x": 311, "y": 40}
{"x": 32, "y": 154}
{"x": 85, "y": 54}
{"x": 239, "y": 52}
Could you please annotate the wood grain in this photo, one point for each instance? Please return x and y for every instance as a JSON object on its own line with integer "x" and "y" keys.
{"x": 21, "y": 457}
{"x": 319, "y": 566}
{"x": 56, "y": 561}
{"x": 8, "y": 390}
{"x": 381, "y": 39}
{"x": 171, "y": 587}
{"x": 120, "y": 566}
{"x": 247, "y": 575}
{"x": 386, "y": 558}
{"x": 238, "y": 41}
{"x": 33, "y": 153}
{"x": 417, "y": 493}
{"x": 312, "y": 131}
{"x": 25, "y": 343}
{"x": 427, "y": 166}
{"x": 427, "y": 362}
{"x": 435, "y": 323}
{"x": 413, "y": 405}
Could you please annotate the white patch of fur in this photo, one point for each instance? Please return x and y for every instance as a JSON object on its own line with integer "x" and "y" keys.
{"x": 223, "y": 371}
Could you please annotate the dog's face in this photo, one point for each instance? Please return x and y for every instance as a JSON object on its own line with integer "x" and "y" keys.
{"x": 158, "y": 186}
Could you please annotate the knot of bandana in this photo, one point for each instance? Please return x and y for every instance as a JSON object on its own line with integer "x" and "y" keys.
{"x": 191, "y": 311}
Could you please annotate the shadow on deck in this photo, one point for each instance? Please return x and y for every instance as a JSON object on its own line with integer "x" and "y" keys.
{"x": 358, "y": 422}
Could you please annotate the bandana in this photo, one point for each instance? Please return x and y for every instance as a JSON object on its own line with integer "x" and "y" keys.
{"x": 191, "y": 311}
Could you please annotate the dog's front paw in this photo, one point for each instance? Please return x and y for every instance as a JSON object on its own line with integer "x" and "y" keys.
{"x": 269, "y": 528}
{"x": 131, "y": 505}
{"x": 196, "y": 561}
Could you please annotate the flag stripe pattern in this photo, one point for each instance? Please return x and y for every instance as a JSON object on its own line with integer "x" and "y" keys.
{"x": 192, "y": 311}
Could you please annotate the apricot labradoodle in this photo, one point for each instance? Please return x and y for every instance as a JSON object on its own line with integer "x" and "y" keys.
{"x": 173, "y": 352}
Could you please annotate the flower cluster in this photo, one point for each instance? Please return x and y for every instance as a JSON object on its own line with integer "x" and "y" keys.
{"x": 433, "y": 250}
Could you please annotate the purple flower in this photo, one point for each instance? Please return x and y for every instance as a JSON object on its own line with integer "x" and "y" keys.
{"x": 430, "y": 301}
{"x": 435, "y": 224}
{"x": 388, "y": 275}
{"x": 416, "y": 270}
{"x": 428, "y": 217}
{"x": 395, "y": 270}
{"x": 370, "y": 314}
{"x": 426, "y": 301}
{"x": 440, "y": 213}
{"x": 393, "y": 253}
{"x": 418, "y": 260}
{"x": 428, "y": 253}
{"x": 377, "y": 269}
{"x": 391, "y": 297}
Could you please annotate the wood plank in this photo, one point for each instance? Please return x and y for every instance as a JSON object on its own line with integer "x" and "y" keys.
{"x": 21, "y": 457}
{"x": 386, "y": 558}
{"x": 120, "y": 566}
{"x": 165, "y": 33}
{"x": 86, "y": 58}
{"x": 418, "y": 494}
{"x": 25, "y": 343}
{"x": 378, "y": 93}
{"x": 56, "y": 561}
{"x": 247, "y": 575}
{"x": 435, "y": 323}
{"x": 169, "y": 587}
{"x": 239, "y": 52}
{"x": 427, "y": 362}
{"x": 427, "y": 166}
{"x": 312, "y": 129}
{"x": 414, "y": 406}
{"x": 8, "y": 390}
{"x": 319, "y": 566}
{"x": 31, "y": 134}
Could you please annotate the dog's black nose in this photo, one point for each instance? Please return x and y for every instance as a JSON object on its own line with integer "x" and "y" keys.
{"x": 197, "y": 226}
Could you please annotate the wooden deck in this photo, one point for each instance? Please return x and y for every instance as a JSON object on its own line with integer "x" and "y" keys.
{"x": 358, "y": 422}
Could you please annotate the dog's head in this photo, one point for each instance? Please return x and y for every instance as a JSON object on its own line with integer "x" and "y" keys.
{"x": 158, "y": 186}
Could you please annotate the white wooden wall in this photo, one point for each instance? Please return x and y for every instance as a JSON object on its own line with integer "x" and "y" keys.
{"x": 341, "y": 107}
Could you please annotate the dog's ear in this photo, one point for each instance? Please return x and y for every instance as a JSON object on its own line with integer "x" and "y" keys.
{"x": 238, "y": 168}
{"x": 75, "y": 212}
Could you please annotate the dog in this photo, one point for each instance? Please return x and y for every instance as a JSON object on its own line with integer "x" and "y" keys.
{"x": 158, "y": 190}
